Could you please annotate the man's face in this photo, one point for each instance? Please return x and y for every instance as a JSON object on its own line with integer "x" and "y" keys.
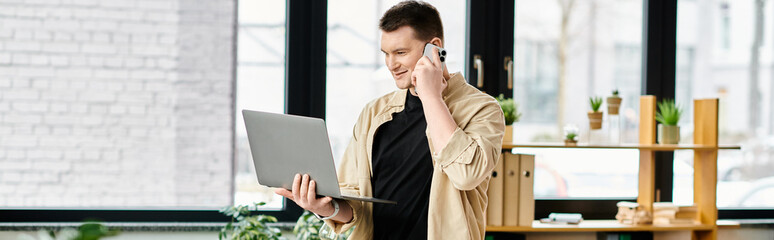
{"x": 401, "y": 52}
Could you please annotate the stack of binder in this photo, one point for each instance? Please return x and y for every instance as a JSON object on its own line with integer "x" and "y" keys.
{"x": 511, "y": 195}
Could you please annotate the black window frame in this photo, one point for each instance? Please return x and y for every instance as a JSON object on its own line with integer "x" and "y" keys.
{"x": 494, "y": 22}
{"x": 305, "y": 67}
{"x": 659, "y": 75}
{"x": 305, "y": 45}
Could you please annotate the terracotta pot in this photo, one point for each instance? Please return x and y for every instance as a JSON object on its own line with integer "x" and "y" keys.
{"x": 508, "y": 137}
{"x": 668, "y": 134}
{"x": 595, "y": 120}
{"x": 570, "y": 142}
{"x": 613, "y": 104}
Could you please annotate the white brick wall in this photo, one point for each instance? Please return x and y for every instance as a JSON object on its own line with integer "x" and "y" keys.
{"x": 116, "y": 103}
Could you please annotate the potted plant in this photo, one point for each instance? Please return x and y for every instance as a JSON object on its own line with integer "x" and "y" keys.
{"x": 512, "y": 115}
{"x": 570, "y": 135}
{"x": 308, "y": 227}
{"x": 668, "y": 116}
{"x": 614, "y": 103}
{"x": 595, "y": 116}
{"x": 245, "y": 225}
{"x": 86, "y": 231}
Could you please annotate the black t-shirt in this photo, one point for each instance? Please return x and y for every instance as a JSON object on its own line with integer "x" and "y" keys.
{"x": 402, "y": 172}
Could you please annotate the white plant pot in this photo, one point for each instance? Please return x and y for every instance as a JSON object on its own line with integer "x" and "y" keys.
{"x": 668, "y": 134}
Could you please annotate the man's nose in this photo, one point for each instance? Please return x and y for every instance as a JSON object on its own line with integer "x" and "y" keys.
{"x": 392, "y": 64}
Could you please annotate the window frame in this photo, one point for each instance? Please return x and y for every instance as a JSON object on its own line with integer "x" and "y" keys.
{"x": 501, "y": 15}
{"x": 305, "y": 66}
{"x": 289, "y": 214}
{"x": 658, "y": 78}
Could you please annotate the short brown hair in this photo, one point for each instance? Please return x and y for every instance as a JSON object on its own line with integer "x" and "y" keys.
{"x": 421, "y": 16}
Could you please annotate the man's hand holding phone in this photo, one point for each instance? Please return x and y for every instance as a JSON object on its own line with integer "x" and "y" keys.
{"x": 427, "y": 77}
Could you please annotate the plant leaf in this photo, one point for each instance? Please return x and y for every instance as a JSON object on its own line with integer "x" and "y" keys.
{"x": 668, "y": 112}
{"x": 595, "y": 102}
{"x": 510, "y": 109}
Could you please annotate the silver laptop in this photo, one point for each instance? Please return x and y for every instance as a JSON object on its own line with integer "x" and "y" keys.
{"x": 283, "y": 145}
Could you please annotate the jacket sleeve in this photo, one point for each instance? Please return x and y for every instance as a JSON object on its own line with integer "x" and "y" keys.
{"x": 348, "y": 179}
{"x": 469, "y": 156}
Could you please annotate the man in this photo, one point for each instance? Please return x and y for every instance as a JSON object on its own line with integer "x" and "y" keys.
{"x": 431, "y": 145}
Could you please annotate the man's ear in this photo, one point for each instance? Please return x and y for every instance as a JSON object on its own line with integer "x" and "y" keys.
{"x": 437, "y": 41}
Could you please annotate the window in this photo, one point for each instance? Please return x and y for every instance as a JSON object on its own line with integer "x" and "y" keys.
{"x": 567, "y": 173}
{"x": 356, "y": 73}
{"x": 557, "y": 68}
{"x": 260, "y": 86}
{"x": 116, "y": 109}
{"x": 113, "y": 112}
{"x": 720, "y": 55}
{"x": 536, "y": 77}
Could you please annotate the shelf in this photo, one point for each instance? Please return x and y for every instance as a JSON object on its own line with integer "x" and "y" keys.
{"x": 654, "y": 147}
{"x": 609, "y": 226}
{"x": 705, "y": 154}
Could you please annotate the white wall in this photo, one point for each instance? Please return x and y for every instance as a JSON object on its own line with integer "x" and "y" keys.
{"x": 116, "y": 103}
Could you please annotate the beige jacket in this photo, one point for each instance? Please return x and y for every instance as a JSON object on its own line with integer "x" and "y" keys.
{"x": 458, "y": 200}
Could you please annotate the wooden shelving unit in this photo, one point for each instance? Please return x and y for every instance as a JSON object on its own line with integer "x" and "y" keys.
{"x": 705, "y": 149}
{"x": 610, "y": 226}
{"x": 654, "y": 147}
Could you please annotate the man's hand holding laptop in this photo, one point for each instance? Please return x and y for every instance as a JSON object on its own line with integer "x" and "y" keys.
{"x": 304, "y": 194}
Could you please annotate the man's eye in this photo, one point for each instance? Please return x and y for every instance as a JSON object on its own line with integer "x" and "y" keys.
{"x": 401, "y": 53}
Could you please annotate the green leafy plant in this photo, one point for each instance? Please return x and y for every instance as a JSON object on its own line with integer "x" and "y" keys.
{"x": 668, "y": 112}
{"x": 308, "y": 228}
{"x": 510, "y": 109}
{"x": 571, "y": 136}
{"x": 86, "y": 231}
{"x": 570, "y": 132}
{"x": 94, "y": 231}
{"x": 245, "y": 225}
{"x": 596, "y": 102}
{"x": 615, "y": 93}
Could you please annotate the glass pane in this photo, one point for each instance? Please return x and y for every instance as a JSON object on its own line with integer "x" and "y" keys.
{"x": 584, "y": 173}
{"x": 720, "y": 55}
{"x": 117, "y": 106}
{"x": 558, "y": 67}
{"x": 260, "y": 86}
{"x": 356, "y": 73}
